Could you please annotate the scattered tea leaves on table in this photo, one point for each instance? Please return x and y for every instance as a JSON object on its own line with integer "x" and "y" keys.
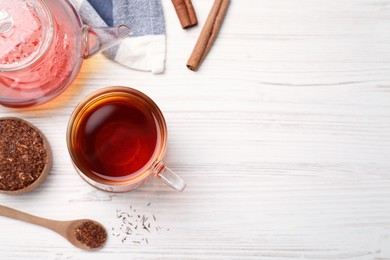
{"x": 136, "y": 227}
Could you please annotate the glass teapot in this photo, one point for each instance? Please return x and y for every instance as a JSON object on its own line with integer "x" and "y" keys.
{"x": 42, "y": 46}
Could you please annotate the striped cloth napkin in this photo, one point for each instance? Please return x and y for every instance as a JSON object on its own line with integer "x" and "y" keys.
{"x": 145, "y": 49}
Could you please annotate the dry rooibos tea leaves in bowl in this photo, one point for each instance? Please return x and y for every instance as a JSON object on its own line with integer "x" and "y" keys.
{"x": 25, "y": 156}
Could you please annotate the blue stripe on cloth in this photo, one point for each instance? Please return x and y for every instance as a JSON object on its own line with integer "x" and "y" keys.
{"x": 104, "y": 9}
{"x": 145, "y": 17}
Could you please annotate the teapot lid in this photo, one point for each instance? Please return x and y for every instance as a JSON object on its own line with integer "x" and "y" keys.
{"x": 26, "y": 29}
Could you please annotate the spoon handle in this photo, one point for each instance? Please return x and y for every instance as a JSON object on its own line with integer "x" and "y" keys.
{"x": 19, "y": 215}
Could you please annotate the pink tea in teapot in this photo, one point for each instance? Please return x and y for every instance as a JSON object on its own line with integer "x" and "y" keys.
{"x": 43, "y": 44}
{"x": 36, "y": 55}
{"x": 27, "y": 25}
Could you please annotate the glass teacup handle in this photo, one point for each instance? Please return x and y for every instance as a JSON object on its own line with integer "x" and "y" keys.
{"x": 6, "y": 21}
{"x": 169, "y": 177}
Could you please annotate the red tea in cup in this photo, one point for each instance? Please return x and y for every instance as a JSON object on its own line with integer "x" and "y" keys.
{"x": 117, "y": 138}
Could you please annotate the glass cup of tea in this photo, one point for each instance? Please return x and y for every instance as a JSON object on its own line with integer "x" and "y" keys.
{"x": 117, "y": 137}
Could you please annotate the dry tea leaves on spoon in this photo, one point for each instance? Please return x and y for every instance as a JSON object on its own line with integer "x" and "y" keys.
{"x": 91, "y": 234}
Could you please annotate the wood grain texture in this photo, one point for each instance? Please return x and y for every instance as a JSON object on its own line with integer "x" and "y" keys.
{"x": 283, "y": 137}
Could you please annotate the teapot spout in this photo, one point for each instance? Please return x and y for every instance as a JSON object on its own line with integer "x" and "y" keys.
{"x": 99, "y": 39}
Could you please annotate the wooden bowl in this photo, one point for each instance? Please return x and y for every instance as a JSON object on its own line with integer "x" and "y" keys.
{"x": 45, "y": 170}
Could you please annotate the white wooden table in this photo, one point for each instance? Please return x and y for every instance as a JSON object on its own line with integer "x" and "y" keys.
{"x": 283, "y": 137}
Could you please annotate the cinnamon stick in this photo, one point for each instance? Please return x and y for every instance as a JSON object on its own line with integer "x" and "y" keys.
{"x": 191, "y": 13}
{"x": 208, "y": 34}
{"x": 186, "y": 13}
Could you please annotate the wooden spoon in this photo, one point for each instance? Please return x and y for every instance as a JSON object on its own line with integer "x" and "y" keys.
{"x": 67, "y": 229}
